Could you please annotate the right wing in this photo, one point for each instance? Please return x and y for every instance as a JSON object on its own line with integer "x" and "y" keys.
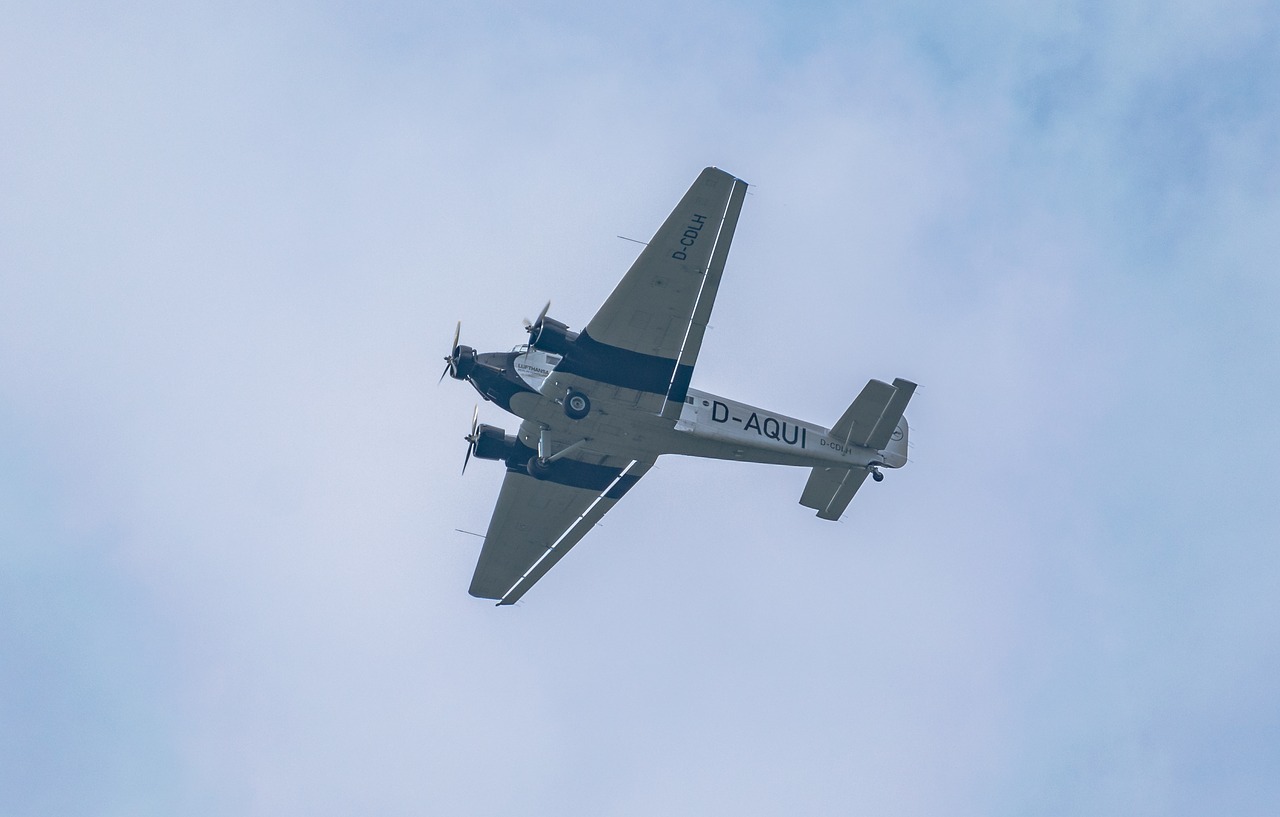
{"x": 647, "y": 335}
{"x": 537, "y": 521}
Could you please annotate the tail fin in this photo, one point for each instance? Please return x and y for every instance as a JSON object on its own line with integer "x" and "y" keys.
{"x": 895, "y": 453}
{"x": 890, "y": 435}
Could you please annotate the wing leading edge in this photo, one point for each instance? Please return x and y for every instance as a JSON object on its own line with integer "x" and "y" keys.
{"x": 537, "y": 521}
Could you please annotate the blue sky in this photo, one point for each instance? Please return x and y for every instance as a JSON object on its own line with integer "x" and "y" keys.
{"x": 233, "y": 245}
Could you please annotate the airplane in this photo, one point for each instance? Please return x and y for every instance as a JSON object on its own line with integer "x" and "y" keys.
{"x": 601, "y": 405}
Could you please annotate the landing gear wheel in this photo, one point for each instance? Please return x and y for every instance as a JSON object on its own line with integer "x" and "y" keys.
{"x": 576, "y": 405}
{"x": 538, "y": 468}
{"x": 876, "y": 475}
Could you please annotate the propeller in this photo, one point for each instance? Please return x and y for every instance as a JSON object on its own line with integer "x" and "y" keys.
{"x": 451, "y": 359}
{"x": 533, "y": 327}
{"x": 473, "y": 437}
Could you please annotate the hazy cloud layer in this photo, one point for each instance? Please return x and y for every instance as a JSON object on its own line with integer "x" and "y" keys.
{"x": 233, "y": 245}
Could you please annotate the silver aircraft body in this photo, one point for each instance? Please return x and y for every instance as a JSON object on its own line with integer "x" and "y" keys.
{"x": 601, "y": 405}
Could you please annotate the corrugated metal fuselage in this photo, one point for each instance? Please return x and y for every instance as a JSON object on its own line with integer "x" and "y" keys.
{"x": 708, "y": 425}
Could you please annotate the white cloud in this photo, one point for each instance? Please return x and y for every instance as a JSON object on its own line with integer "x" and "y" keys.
{"x": 235, "y": 243}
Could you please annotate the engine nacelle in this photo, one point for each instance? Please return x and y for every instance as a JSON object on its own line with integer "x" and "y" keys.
{"x": 493, "y": 443}
{"x": 550, "y": 335}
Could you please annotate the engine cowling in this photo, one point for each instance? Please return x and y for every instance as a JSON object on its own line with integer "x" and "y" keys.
{"x": 462, "y": 362}
{"x": 550, "y": 335}
{"x": 493, "y": 443}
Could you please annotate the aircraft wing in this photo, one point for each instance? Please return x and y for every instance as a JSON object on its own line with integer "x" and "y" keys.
{"x": 537, "y": 521}
{"x": 647, "y": 334}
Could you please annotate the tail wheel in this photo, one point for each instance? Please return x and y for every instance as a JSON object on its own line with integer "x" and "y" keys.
{"x": 576, "y": 405}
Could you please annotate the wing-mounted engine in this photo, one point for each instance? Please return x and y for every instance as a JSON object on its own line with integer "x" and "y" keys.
{"x": 488, "y": 442}
{"x": 493, "y": 443}
{"x": 549, "y": 334}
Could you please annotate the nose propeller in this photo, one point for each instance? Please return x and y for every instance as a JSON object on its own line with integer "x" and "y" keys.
{"x": 451, "y": 359}
{"x": 473, "y": 437}
{"x": 461, "y": 360}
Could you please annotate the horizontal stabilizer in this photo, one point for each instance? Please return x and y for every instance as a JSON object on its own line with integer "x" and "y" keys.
{"x": 874, "y": 414}
{"x": 829, "y": 490}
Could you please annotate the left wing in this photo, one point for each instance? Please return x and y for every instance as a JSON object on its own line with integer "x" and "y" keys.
{"x": 537, "y": 521}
